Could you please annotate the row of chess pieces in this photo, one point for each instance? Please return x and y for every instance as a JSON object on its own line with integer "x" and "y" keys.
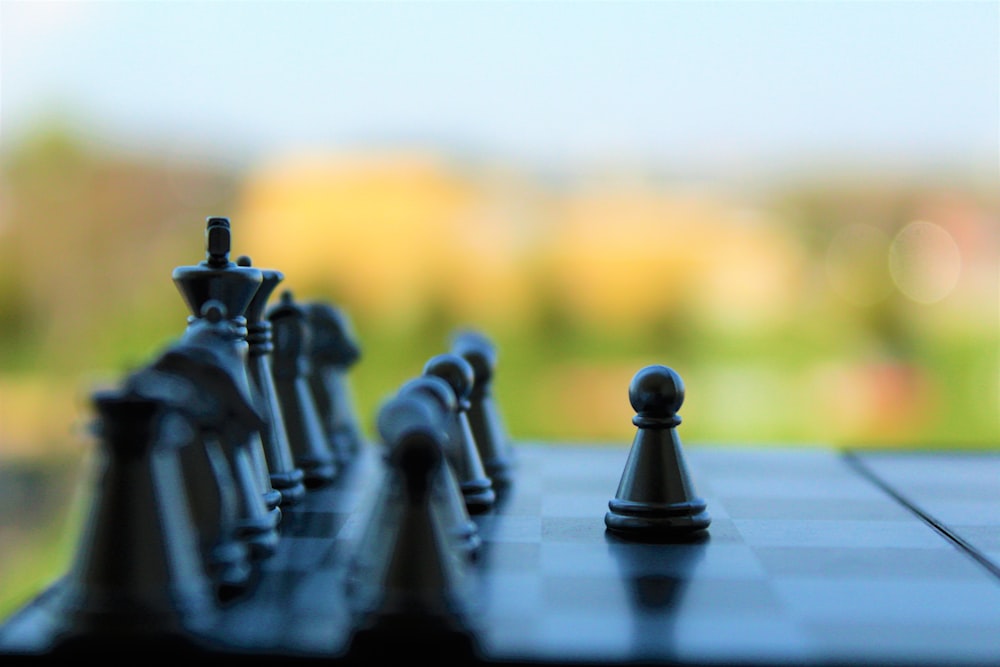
{"x": 204, "y": 450}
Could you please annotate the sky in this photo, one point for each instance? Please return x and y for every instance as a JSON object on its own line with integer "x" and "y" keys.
{"x": 712, "y": 86}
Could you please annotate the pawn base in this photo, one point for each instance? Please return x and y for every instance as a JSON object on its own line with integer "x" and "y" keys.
{"x": 290, "y": 486}
{"x": 479, "y": 495}
{"x": 656, "y": 521}
{"x": 317, "y": 473}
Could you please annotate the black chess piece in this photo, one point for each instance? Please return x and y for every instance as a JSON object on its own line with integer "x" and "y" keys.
{"x": 291, "y": 369}
{"x": 447, "y": 492}
{"x": 286, "y": 477}
{"x": 410, "y": 587}
{"x": 484, "y": 415}
{"x": 333, "y": 350}
{"x": 198, "y": 385}
{"x": 463, "y": 454}
{"x": 233, "y": 425}
{"x": 216, "y": 278}
{"x": 656, "y": 499}
{"x": 137, "y": 575}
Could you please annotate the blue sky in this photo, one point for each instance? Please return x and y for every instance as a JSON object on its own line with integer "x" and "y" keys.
{"x": 711, "y": 86}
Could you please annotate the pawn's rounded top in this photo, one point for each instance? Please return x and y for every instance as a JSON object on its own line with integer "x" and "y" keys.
{"x": 434, "y": 386}
{"x": 656, "y": 391}
{"x": 455, "y": 370}
{"x": 479, "y": 351}
{"x": 412, "y": 419}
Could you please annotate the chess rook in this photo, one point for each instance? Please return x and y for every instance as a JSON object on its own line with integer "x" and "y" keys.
{"x": 463, "y": 454}
{"x": 286, "y": 478}
{"x": 656, "y": 498}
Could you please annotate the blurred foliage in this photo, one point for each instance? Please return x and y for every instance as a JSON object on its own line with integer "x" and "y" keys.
{"x": 777, "y": 305}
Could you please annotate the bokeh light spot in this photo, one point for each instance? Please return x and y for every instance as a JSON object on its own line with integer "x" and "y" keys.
{"x": 925, "y": 262}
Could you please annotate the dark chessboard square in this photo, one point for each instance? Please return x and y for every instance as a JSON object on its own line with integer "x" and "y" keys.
{"x": 302, "y": 554}
{"x": 519, "y": 503}
{"x": 658, "y": 595}
{"x": 886, "y": 563}
{"x": 819, "y": 509}
{"x": 587, "y": 529}
{"x": 709, "y": 560}
{"x": 722, "y": 530}
{"x": 312, "y": 524}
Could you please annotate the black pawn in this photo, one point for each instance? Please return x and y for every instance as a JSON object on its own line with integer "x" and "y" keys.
{"x": 410, "y": 587}
{"x": 137, "y": 576}
{"x": 463, "y": 454}
{"x": 333, "y": 351}
{"x": 484, "y": 416}
{"x": 447, "y": 492}
{"x": 656, "y": 499}
{"x": 291, "y": 369}
{"x": 285, "y": 476}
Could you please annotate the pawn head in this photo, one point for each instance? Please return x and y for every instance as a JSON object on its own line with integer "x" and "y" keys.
{"x": 435, "y": 387}
{"x": 455, "y": 370}
{"x": 656, "y": 391}
{"x": 480, "y": 354}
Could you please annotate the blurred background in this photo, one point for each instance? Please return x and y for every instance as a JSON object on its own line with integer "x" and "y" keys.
{"x": 795, "y": 205}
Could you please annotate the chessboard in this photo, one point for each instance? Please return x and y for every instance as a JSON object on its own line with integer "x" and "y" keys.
{"x": 813, "y": 556}
{"x": 443, "y": 539}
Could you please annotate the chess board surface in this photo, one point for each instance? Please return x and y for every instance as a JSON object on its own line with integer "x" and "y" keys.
{"x": 813, "y": 556}
{"x": 959, "y": 492}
